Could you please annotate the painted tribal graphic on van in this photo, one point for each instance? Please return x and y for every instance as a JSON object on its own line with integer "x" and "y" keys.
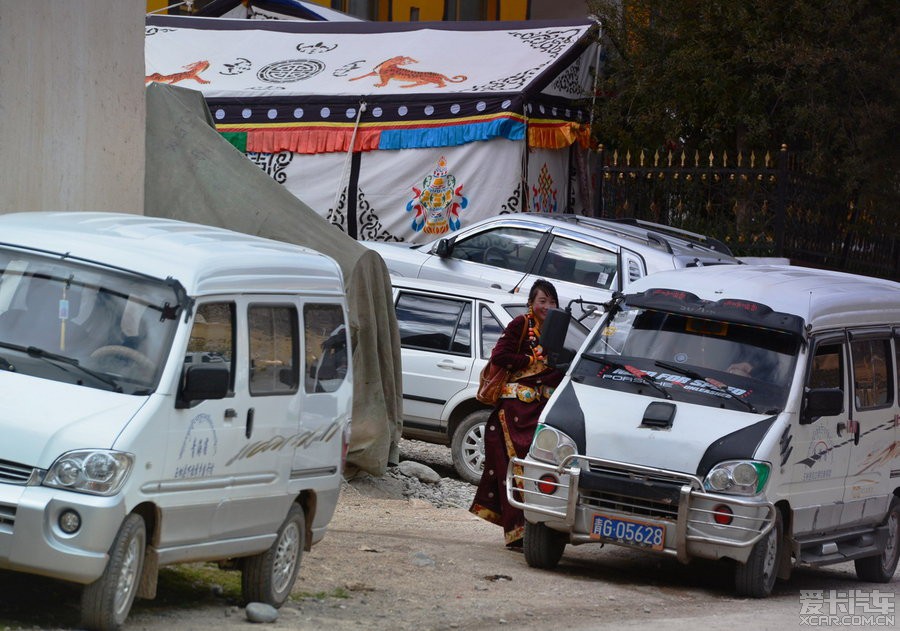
{"x": 879, "y": 455}
{"x": 882, "y": 454}
{"x": 295, "y": 441}
{"x": 198, "y": 449}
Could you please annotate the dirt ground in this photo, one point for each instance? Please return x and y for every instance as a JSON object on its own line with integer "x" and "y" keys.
{"x": 389, "y": 563}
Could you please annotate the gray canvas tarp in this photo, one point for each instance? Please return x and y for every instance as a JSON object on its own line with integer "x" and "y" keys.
{"x": 193, "y": 174}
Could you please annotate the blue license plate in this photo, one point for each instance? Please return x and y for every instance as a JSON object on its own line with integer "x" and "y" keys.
{"x": 630, "y": 531}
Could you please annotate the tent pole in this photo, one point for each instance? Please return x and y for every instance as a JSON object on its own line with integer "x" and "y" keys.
{"x": 353, "y": 161}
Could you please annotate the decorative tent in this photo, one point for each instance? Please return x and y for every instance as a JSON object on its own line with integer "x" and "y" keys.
{"x": 449, "y": 122}
{"x": 193, "y": 174}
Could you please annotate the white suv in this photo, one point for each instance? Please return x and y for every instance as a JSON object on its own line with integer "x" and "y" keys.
{"x": 584, "y": 257}
{"x": 446, "y": 336}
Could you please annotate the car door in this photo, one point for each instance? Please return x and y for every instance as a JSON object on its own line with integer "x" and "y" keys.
{"x": 578, "y": 270}
{"x": 818, "y": 449}
{"x": 204, "y": 435}
{"x": 437, "y": 354}
{"x": 873, "y": 426}
{"x": 496, "y": 257}
{"x": 223, "y": 466}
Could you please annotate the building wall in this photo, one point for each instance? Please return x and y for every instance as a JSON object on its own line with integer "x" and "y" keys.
{"x": 558, "y": 9}
{"x": 72, "y": 105}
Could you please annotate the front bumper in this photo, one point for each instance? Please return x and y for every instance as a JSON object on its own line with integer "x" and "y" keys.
{"x": 583, "y": 488}
{"x": 31, "y": 540}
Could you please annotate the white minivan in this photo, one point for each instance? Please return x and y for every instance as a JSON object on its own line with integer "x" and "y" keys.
{"x": 160, "y": 404}
{"x": 747, "y": 413}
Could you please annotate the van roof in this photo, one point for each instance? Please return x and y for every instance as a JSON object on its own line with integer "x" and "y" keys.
{"x": 204, "y": 259}
{"x": 823, "y": 299}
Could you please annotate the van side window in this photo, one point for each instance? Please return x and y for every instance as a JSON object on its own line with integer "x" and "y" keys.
{"x": 212, "y": 337}
{"x": 325, "y": 334}
{"x": 827, "y": 367}
{"x": 274, "y": 349}
{"x": 433, "y": 324}
{"x": 872, "y": 373}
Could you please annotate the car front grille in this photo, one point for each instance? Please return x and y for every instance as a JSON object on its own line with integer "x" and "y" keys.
{"x": 15, "y": 473}
{"x": 639, "y": 494}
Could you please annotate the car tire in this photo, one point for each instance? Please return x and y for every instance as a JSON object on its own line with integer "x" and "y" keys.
{"x": 467, "y": 446}
{"x": 269, "y": 577}
{"x": 105, "y": 603}
{"x": 543, "y": 546}
{"x": 881, "y": 568}
{"x": 756, "y": 577}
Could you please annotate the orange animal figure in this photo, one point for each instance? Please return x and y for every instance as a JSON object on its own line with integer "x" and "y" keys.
{"x": 391, "y": 69}
{"x": 191, "y": 71}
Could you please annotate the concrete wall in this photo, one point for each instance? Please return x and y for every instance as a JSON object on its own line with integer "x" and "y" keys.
{"x": 72, "y": 105}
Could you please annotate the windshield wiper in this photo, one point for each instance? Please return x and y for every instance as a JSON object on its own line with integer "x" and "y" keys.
{"x": 34, "y": 351}
{"x": 716, "y": 385}
{"x": 636, "y": 372}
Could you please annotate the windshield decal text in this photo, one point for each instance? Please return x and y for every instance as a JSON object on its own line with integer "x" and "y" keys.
{"x": 667, "y": 380}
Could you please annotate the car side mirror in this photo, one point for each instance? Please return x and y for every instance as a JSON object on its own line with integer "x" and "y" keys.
{"x": 822, "y": 402}
{"x": 553, "y": 334}
{"x": 202, "y": 382}
{"x": 444, "y": 248}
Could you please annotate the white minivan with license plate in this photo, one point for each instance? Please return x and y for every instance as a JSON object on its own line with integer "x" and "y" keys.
{"x": 160, "y": 404}
{"x": 746, "y": 413}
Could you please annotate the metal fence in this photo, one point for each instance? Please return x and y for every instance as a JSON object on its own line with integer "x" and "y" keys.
{"x": 759, "y": 204}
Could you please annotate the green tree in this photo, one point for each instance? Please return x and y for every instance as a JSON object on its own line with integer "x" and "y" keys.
{"x": 819, "y": 75}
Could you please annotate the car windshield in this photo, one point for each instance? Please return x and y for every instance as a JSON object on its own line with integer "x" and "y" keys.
{"x": 681, "y": 357}
{"x": 83, "y": 324}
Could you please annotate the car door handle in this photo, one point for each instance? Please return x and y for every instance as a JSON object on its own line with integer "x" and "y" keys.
{"x": 451, "y": 365}
{"x": 496, "y": 286}
{"x": 248, "y": 431}
{"x": 850, "y": 426}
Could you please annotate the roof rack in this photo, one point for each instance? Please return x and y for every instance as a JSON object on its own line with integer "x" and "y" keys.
{"x": 691, "y": 237}
{"x": 654, "y": 233}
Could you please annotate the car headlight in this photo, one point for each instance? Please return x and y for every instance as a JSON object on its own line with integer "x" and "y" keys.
{"x": 551, "y": 445}
{"x": 738, "y": 477}
{"x": 94, "y": 471}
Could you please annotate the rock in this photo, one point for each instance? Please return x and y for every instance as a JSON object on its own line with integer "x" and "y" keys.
{"x": 419, "y": 471}
{"x": 422, "y": 560}
{"x": 261, "y": 612}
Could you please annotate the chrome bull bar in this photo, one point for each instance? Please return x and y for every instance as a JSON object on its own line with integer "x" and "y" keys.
{"x": 519, "y": 488}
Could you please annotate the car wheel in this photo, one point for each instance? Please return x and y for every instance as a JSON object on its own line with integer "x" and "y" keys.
{"x": 105, "y": 603}
{"x": 756, "y": 577}
{"x": 467, "y": 446}
{"x": 269, "y": 577}
{"x": 543, "y": 546}
{"x": 881, "y": 568}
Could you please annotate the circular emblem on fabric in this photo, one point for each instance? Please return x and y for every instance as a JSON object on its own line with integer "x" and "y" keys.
{"x": 290, "y": 70}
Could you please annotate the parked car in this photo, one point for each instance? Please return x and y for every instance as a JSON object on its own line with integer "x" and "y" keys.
{"x": 584, "y": 257}
{"x": 446, "y": 336}
{"x": 754, "y": 418}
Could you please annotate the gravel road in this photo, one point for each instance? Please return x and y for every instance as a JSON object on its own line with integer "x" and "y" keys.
{"x": 393, "y": 560}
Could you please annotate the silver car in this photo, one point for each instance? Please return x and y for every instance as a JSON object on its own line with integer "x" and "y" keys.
{"x": 446, "y": 336}
{"x": 584, "y": 257}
